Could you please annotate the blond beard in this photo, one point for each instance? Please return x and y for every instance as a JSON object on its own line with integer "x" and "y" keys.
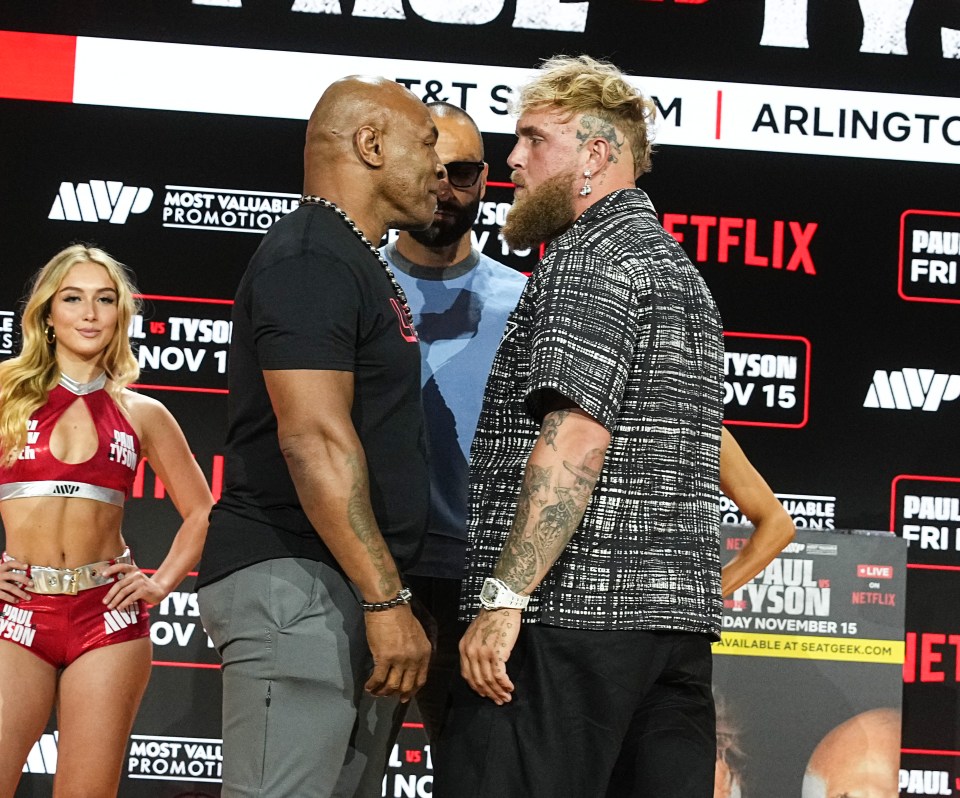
{"x": 542, "y": 214}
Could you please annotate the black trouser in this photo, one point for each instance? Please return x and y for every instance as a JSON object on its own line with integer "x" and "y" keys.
{"x": 441, "y": 598}
{"x": 616, "y": 714}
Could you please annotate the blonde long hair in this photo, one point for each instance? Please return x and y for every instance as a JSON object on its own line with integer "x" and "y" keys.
{"x": 26, "y": 380}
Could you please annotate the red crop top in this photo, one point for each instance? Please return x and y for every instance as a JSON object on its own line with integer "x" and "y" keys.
{"x": 107, "y": 476}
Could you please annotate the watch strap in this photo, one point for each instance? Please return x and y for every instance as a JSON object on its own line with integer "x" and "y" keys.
{"x": 496, "y": 595}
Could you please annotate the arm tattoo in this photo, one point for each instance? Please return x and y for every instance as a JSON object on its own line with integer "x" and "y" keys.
{"x": 537, "y": 484}
{"x": 551, "y": 426}
{"x": 534, "y": 494}
{"x": 363, "y": 523}
{"x": 548, "y": 513}
{"x": 518, "y": 564}
{"x": 593, "y": 127}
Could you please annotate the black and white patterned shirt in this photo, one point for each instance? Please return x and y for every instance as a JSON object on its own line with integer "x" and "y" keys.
{"x": 617, "y": 319}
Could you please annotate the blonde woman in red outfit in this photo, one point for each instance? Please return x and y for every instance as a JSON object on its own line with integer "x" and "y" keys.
{"x": 74, "y": 631}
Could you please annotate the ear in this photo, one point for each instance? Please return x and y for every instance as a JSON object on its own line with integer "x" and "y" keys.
{"x": 598, "y": 155}
{"x": 483, "y": 180}
{"x": 368, "y": 143}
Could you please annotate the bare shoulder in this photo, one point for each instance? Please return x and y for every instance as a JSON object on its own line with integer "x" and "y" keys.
{"x": 146, "y": 412}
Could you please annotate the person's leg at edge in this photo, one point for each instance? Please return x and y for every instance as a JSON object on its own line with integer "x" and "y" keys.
{"x": 441, "y": 597}
{"x": 574, "y": 695}
{"x": 670, "y": 749}
{"x": 290, "y": 633}
{"x": 98, "y": 700}
{"x": 379, "y": 720}
{"x": 28, "y": 686}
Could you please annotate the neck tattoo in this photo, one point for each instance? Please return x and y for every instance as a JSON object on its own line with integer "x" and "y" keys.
{"x": 311, "y": 199}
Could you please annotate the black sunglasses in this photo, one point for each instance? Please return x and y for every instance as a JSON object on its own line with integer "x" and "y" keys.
{"x": 463, "y": 174}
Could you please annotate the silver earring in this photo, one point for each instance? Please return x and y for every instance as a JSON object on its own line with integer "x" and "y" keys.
{"x": 586, "y": 189}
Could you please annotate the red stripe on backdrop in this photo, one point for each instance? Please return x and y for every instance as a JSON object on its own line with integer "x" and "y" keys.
{"x": 165, "y": 298}
{"x": 37, "y": 66}
{"x": 184, "y": 388}
{"x": 719, "y": 112}
{"x": 924, "y": 567}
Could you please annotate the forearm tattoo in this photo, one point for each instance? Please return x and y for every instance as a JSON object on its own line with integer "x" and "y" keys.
{"x": 593, "y": 127}
{"x": 364, "y": 525}
{"x": 549, "y": 509}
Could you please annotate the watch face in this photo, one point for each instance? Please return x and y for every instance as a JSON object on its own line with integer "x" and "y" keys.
{"x": 489, "y": 591}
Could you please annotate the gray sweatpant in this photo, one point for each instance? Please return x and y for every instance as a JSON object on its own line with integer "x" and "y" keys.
{"x": 296, "y": 720}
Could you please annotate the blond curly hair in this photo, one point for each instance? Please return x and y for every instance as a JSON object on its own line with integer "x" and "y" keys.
{"x": 584, "y": 85}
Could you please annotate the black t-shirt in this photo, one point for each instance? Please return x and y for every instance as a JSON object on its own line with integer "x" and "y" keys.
{"x": 315, "y": 297}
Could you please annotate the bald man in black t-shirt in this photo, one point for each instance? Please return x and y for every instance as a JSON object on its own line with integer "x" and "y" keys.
{"x": 325, "y": 496}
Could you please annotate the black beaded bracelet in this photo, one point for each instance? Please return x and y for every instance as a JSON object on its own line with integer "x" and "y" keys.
{"x": 403, "y": 597}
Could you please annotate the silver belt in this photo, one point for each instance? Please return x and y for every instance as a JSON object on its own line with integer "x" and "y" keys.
{"x": 52, "y": 487}
{"x": 69, "y": 581}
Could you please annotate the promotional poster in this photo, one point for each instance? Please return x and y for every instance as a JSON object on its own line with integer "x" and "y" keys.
{"x": 813, "y": 645}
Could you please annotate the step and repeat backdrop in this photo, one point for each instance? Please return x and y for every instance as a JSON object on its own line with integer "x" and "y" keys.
{"x": 808, "y": 160}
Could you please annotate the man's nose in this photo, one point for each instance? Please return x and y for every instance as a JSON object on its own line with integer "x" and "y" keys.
{"x": 445, "y": 189}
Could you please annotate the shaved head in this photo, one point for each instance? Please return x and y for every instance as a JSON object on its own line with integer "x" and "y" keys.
{"x": 441, "y": 109}
{"x": 352, "y": 103}
{"x": 860, "y": 758}
{"x": 370, "y": 149}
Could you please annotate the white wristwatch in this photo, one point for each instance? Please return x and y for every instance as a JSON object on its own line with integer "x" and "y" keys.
{"x": 495, "y": 595}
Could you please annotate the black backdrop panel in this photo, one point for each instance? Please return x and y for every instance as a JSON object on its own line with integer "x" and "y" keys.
{"x": 836, "y": 275}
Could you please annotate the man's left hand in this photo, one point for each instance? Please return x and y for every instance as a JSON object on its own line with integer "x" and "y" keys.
{"x": 400, "y": 650}
{"x": 484, "y": 650}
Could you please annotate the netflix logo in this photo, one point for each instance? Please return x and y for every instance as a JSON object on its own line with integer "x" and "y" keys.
{"x": 780, "y": 244}
{"x": 875, "y": 571}
{"x": 932, "y": 657}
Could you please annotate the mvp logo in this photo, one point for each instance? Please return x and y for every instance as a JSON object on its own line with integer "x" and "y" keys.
{"x": 43, "y": 756}
{"x": 115, "y": 620}
{"x": 909, "y": 389}
{"x": 99, "y": 199}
